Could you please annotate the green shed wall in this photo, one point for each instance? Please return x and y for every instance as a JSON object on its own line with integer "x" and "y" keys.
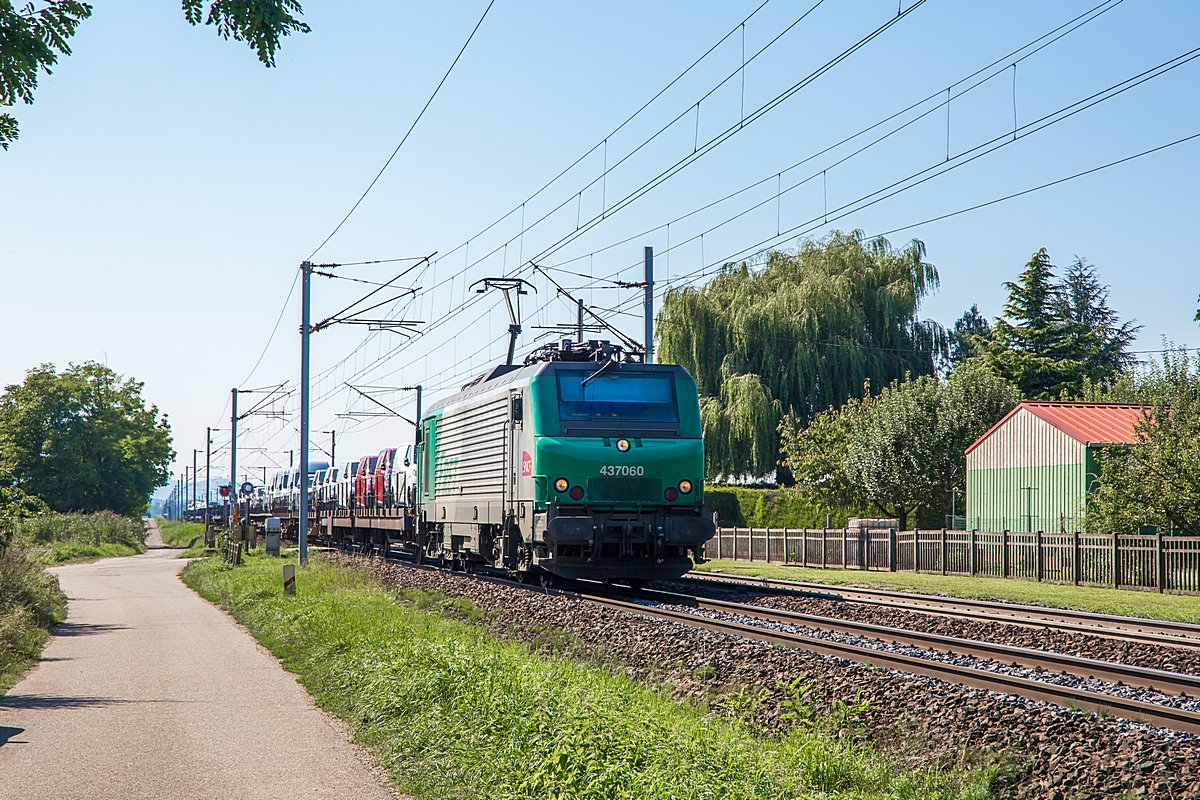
{"x": 996, "y": 500}
{"x": 1027, "y": 451}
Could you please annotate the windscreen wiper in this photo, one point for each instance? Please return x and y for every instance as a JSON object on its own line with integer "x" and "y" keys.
{"x": 588, "y": 379}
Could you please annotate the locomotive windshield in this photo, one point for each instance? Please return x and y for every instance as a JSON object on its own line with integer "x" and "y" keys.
{"x": 615, "y": 395}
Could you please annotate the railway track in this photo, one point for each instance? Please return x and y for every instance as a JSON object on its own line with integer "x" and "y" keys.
{"x": 1134, "y": 629}
{"x": 1066, "y": 696}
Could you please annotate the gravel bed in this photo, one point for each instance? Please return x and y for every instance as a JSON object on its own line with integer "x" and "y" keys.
{"x": 1049, "y": 752}
{"x": 1172, "y": 659}
{"x": 990, "y": 665}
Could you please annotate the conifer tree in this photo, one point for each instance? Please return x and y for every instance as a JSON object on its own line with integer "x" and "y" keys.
{"x": 1055, "y": 334}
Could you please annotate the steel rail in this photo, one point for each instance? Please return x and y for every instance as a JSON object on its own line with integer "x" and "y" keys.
{"x": 1068, "y": 697}
{"x": 1136, "y": 629}
{"x": 1162, "y": 681}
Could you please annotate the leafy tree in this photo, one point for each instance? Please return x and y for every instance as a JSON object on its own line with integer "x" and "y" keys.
{"x": 889, "y": 454}
{"x": 83, "y": 440}
{"x": 14, "y": 502}
{"x": 798, "y": 335}
{"x": 31, "y": 39}
{"x": 815, "y": 454}
{"x": 902, "y": 451}
{"x": 1155, "y": 481}
{"x": 1054, "y": 334}
{"x": 961, "y": 338}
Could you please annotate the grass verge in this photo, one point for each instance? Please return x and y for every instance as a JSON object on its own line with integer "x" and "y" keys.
{"x": 177, "y": 533}
{"x": 63, "y": 538}
{"x": 1175, "y": 607}
{"x": 71, "y": 552}
{"x": 31, "y": 604}
{"x": 454, "y": 710}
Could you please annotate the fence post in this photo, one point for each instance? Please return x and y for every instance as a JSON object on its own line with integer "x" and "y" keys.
{"x": 1160, "y": 566}
{"x": 844, "y": 532}
{"x": 1004, "y": 561}
{"x": 824, "y": 556}
{"x": 804, "y": 546}
{"x": 916, "y": 549}
{"x": 786, "y": 552}
{"x": 971, "y": 557}
{"x": 1116, "y": 559}
{"x": 892, "y": 550}
{"x": 943, "y": 551}
{"x": 1076, "y": 559}
{"x": 1040, "y": 560}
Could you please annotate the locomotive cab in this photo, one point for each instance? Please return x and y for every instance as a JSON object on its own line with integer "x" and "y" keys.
{"x": 582, "y": 464}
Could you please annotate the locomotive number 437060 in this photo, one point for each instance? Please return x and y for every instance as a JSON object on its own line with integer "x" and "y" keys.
{"x": 622, "y": 469}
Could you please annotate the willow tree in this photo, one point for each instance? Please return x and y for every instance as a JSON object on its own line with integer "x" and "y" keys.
{"x": 797, "y": 334}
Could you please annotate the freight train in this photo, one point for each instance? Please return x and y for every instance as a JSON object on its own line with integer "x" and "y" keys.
{"x": 583, "y": 462}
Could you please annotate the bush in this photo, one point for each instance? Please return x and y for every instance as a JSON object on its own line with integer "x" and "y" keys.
{"x": 103, "y": 527}
{"x": 31, "y": 604}
{"x": 771, "y": 508}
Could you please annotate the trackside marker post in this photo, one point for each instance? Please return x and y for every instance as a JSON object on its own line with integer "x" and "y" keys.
{"x": 289, "y": 579}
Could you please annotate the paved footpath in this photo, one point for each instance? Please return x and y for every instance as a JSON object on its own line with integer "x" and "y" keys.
{"x": 148, "y": 691}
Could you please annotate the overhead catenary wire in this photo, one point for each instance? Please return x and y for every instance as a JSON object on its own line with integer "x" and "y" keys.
{"x": 961, "y": 159}
{"x": 503, "y": 246}
{"x": 720, "y": 264}
{"x": 709, "y": 146}
{"x": 1041, "y": 43}
{"x": 407, "y": 133}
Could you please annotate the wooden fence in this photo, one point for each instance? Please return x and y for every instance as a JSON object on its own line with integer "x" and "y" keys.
{"x": 1162, "y": 562}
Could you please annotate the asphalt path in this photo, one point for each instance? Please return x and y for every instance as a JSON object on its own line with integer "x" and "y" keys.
{"x": 148, "y": 691}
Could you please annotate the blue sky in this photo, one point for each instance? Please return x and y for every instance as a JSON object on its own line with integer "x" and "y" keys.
{"x": 166, "y": 185}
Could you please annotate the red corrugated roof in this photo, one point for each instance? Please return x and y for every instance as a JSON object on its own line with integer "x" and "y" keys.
{"x": 1088, "y": 423}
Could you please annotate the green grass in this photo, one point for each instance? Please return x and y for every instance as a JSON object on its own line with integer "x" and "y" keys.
{"x": 31, "y": 604}
{"x": 188, "y": 535}
{"x": 70, "y": 552}
{"x": 1175, "y": 607}
{"x": 455, "y": 711}
{"x": 63, "y": 538}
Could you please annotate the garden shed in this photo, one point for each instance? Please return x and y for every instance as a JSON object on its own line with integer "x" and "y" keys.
{"x": 1033, "y": 469}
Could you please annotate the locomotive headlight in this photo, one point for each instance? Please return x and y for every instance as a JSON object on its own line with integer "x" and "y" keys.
{"x": 685, "y": 486}
{"x": 622, "y": 445}
{"x": 561, "y": 485}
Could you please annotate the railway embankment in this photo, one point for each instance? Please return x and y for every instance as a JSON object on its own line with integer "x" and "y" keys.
{"x": 1038, "y": 750}
{"x": 470, "y": 688}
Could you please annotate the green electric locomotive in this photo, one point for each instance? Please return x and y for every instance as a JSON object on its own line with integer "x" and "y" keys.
{"x": 581, "y": 463}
